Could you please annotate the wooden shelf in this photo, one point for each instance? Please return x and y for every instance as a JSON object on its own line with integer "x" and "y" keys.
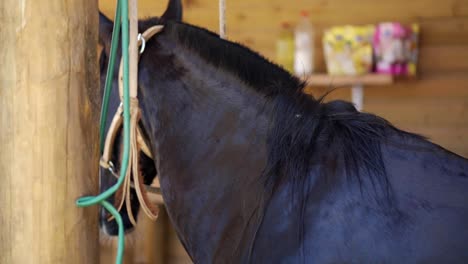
{"x": 356, "y": 83}
{"x": 363, "y": 80}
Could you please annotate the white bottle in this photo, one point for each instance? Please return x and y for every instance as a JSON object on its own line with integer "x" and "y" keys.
{"x": 304, "y": 47}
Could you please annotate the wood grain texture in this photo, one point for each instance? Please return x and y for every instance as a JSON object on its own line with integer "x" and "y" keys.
{"x": 367, "y": 79}
{"x": 48, "y": 131}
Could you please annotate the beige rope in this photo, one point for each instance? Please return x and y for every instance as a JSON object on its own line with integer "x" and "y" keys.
{"x": 133, "y": 47}
{"x": 110, "y": 137}
{"x": 222, "y": 18}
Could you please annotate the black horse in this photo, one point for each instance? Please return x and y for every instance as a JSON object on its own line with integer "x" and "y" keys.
{"x": 253, "y": 170}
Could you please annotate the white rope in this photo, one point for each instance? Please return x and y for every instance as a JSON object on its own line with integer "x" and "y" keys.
{"x": 222, "y": 18}
{"x": 133, "y": 47}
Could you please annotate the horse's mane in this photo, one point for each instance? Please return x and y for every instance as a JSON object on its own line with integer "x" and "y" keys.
{"x": 247, "y": 65}
{"x": 305, "y": 131}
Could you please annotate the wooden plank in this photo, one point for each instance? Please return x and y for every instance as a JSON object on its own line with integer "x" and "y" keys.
{"x": 434, "y": 86}
{"x": 444, "y": 31}
{"x": 446, "y": 112}
{"x": 243, "y": 13}
{"x": 460, "y": 8}
{"x": 447, "y": 58}
{"x": 149, "y": 244}
{"x": 331, "y": 11}
{"x": 453, "y": 85}
{"x": 49, "y": 142}
{"x": 368, "y": 79}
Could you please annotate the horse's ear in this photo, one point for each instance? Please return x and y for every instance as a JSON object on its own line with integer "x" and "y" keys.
{"x": 173, "y": 11}
{"x": 105, "y": 32}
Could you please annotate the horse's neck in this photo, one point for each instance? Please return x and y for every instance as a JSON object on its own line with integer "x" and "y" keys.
{"x": 211, "y": 147}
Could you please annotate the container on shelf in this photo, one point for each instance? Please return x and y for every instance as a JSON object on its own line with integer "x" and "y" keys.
{"x": 285, "y": 47}
{"x": 396, "y": 49}
{"x": 348, "y": 50}
{"x": 304, "y": 46}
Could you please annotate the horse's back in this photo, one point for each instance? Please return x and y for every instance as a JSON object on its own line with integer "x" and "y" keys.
{"x": 431, "y": 190}
{"x": 426, "y": 219}
{"x": 423, "y": 219}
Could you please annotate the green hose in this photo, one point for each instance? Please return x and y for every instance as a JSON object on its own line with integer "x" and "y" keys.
{"x": 121, "y": 14}
{"x": 109, "y": 77}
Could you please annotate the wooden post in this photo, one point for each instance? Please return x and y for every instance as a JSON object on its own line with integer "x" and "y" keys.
{"x": 49, "y": 102}
{"x": 151, "y": 242}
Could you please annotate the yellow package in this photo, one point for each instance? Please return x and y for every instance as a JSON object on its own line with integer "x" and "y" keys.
{"x": 348, "y": 50}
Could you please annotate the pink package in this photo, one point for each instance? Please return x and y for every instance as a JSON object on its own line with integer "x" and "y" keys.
{"x": 395, "y": 49}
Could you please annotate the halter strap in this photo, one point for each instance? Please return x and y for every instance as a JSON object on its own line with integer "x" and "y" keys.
{"x": 147, "y": 35}
{"x": 117, "y": 120}
{"x": 137, "y": 142}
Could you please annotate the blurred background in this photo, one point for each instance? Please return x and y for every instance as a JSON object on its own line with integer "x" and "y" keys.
{"x": 426, "y": 93}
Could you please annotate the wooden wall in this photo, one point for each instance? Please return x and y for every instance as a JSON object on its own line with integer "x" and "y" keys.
{"x": 435, "y": 105}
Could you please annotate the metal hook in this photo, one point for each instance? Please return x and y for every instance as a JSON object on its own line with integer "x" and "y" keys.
{"x": 143, "y": 43}
{"x": 112, "y": 169}
{"x": 111, "y": 166}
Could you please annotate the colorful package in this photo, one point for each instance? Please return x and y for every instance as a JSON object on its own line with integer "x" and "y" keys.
{"x": 348, "y": 50}
{"x": 396, "y": 49}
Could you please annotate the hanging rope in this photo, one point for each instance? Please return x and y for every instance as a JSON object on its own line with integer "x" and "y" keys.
{"x": 222, "y": 19}
{"x": 121, "y": 21}
{"x": 127, "y": 115}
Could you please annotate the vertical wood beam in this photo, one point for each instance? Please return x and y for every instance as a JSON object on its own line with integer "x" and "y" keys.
{"x": 49, "y": 103}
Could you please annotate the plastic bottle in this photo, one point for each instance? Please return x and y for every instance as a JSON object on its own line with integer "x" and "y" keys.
{"x": 285, "y": 47}
{"x": 304, "y": 46}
